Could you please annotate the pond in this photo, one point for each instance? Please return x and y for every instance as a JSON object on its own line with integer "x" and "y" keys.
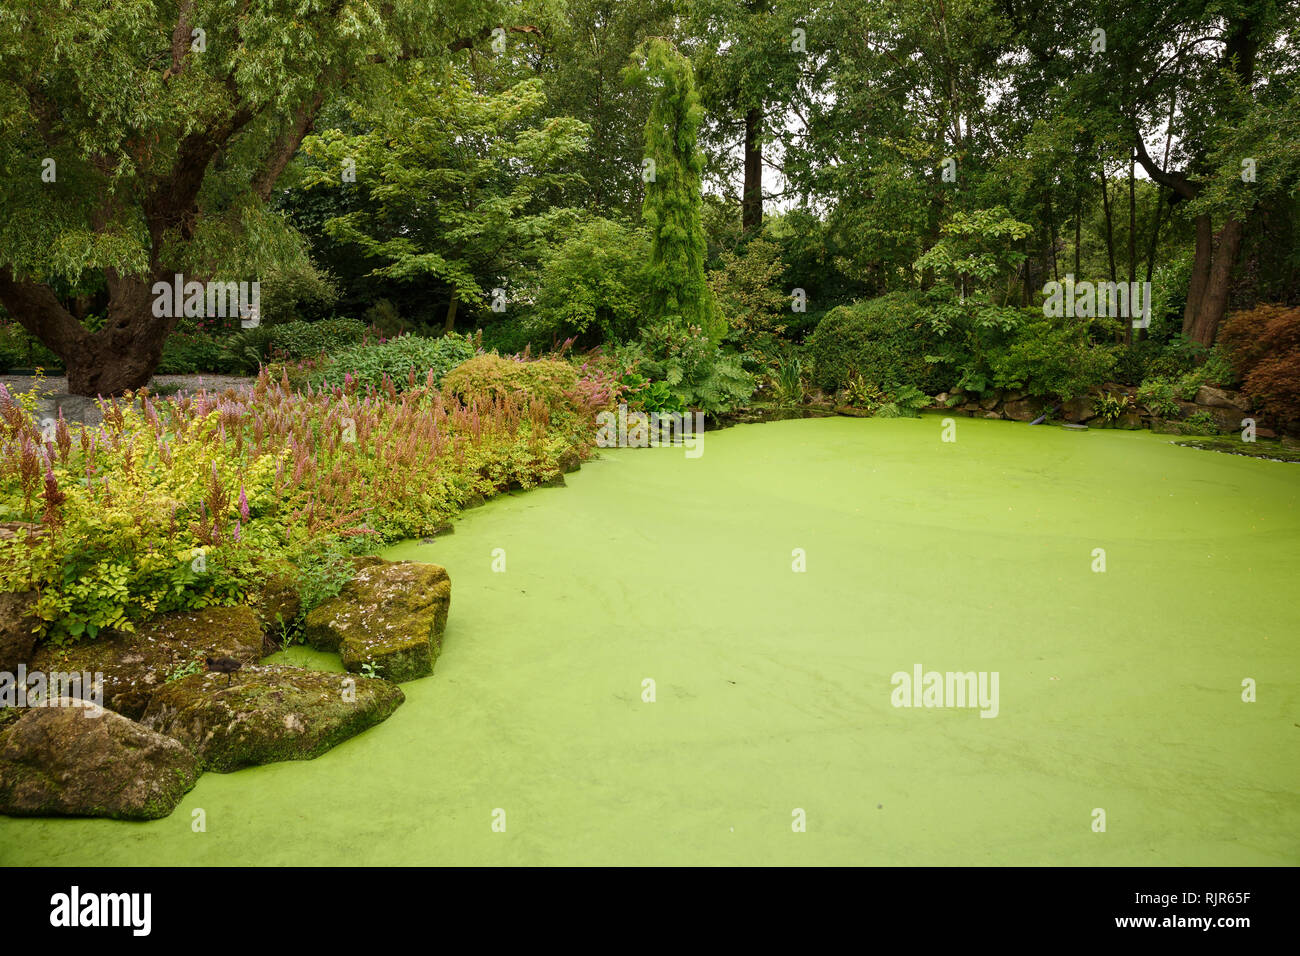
{"x": 655, "y": 575}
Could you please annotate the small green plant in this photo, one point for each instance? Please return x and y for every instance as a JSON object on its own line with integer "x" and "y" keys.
{"x": 908, "y": 400}
{"x": 1110, "y": 408}
{"x": 1199, "y": 423}
{"x": 787, "y": 384}
{"x": 322, "y": 572}
{"x": 286, "y": 633}
{"x": 1159, "y": 398}
{"x": 184, "y": 670}
{"x": 371, "y": 669}
{"x": 859, "y": 394}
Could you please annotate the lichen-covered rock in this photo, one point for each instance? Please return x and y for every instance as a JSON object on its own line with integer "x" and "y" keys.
{"x": 1212, "y": 397}
{"x": 84, "y": 761}
{"x": 135, "y": 665}
{"x": 1024, "y": 409}
{"x": 268, "y": 713}
{"x": 390, "y": 614}
{"x": 570, "y": 460}
{"x": 18, "y": 624}
{"x": 1079, "y": 409}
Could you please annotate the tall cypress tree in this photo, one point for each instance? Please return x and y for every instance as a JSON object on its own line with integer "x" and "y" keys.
{"x": 679, "y": 294}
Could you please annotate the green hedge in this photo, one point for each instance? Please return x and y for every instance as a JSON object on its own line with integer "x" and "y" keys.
{"x": 885, "y": 340}
{"x": 396, "y": 358}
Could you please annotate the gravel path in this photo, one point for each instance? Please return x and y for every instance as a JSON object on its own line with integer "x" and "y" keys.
{"x": 166, "y": 384}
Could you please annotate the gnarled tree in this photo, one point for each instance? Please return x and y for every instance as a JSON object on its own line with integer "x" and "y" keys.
{"x": 140, "y": 139}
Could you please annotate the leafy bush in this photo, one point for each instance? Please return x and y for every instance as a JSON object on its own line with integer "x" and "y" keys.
{"x": 20, "y": 349}
{"x": 404, "y": 361}
{"x": 901, "y": 401}
{"x": 787, "y": 383}
{"x": 593, "y": 286}
{"x": 245, "y": 351}
{"x": 1160, "y": 398}
{"x": 323, "y": 570}
{"x": 1263, "y": 346}
{"x": 12, "y": 350}
{"x": 643, "y": 394}
{"x": 884, "y": 339}
{"x": 701, "y": 374}
{"x": 484, "y": 379}
{"x": 296, "y": 291}
{"x": 1110, "y": 408}
{"x": 185, "y": 353}
{"x": 387, "y": 322}
{"x": 1051, "y": 359}
{"x": 747, "y": 288}
{"x": 1199, "y": 423}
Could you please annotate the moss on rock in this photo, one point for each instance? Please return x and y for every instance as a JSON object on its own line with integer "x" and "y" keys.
{"x": 85, "y": 761}
{"x": 135, "y": 665}
{"x": 268, "y": 713}
{"x": 18, "y": 623}
{"x": 391, "y": 614}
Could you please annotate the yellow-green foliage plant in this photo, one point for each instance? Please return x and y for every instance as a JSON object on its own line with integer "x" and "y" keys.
{"x": 191, "y": 502}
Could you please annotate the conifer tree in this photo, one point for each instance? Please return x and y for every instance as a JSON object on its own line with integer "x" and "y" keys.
{"x": 679, "y": 294}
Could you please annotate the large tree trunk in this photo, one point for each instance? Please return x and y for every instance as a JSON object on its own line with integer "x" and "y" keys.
{"x": 751, "y": 202}
{"x": 119, "y": 357}
{"x": 1211, "y": 278}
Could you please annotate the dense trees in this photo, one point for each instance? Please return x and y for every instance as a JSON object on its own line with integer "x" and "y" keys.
{"x": 142, "y": 139}
{"x": 482, "y": 137}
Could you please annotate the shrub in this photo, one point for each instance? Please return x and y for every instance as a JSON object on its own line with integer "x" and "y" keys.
{"x": 1263, "y": 346}
{"x": 593, "y": 286}
{"x": 1214, "y": 370}
{"x": 1053, "y": 359}
{"x": 1160, "y": 398}
{"x": 747, "y": 287}
{"x": 487, "y": 378}
{"x": 1199, "y": 423}
{"x": 194, "y": 502}
{"x": 185, "y": 353}
{"x": 787, "y": 383}
{"x": 1110, "y": 408}
{"x": 296, "y": 292}
{"x": 409, "y": 360}
{"x": 384, "y": 318}
{"x": 246, "y": 350}
{"x": 884, "y": 339}
{"x": 700, "y": 373}
{"x": 306, "y": 339}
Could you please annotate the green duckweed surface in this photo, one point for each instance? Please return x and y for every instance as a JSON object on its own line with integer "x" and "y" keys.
{"x": 1119, "y": 690}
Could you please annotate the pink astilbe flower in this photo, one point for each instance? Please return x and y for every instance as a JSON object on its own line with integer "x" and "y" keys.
{"x": 243, "y": 505}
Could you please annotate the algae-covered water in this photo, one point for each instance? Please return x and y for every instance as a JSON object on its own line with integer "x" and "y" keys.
{"x": 1118, "y": 691}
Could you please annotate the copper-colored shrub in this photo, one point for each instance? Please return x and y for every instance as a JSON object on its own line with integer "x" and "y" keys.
{"x": 1263, "y": 345}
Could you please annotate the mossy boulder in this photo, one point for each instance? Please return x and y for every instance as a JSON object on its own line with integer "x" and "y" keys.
{"x": 18, "y": 623}
{"x": 268, "y": 713}
{"x": 392, "y": 614}
{"x": 135, "y": 665}
{"x": 79, "y": 760}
